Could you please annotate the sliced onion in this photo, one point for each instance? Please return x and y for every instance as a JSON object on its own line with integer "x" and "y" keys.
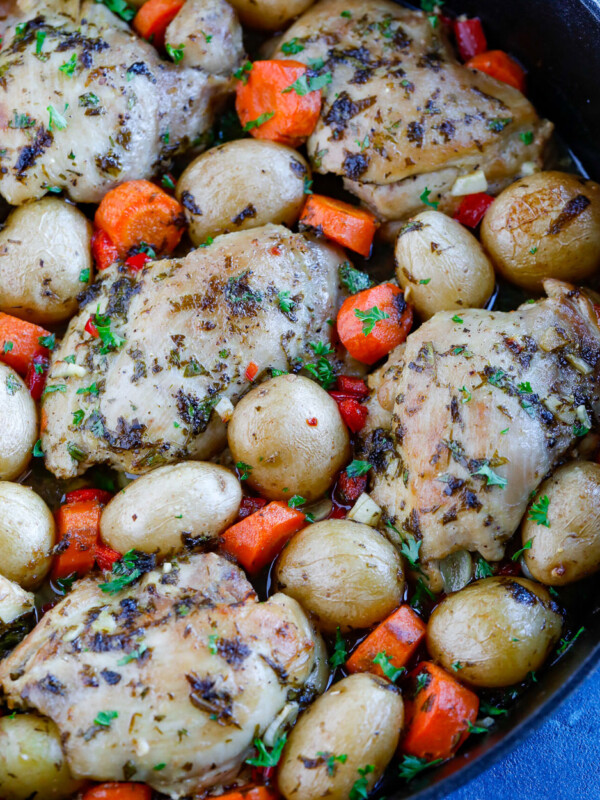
{"x": 457, "y": 570}
{"x": 319, "y": 510}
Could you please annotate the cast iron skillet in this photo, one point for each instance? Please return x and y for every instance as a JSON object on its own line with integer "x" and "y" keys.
{"x": 559, "y": 42}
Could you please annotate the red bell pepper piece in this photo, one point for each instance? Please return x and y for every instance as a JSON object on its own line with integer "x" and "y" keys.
{"x": 78, "y": 495}
{"x": 36, "y": 375}
{"x": 249, "y": 505}
{"x": 472, "y": 208}
{"x": 353, "y": 414}
{"x": 354, "y": 387}
{"x": 470, "y": 38}
{"x": 106, "y": 557}
{"x": 348, "y": 489}
{"x": 138, "y": 261}
{"x": 91, "y": 328}
{"x": 104, "y": 251}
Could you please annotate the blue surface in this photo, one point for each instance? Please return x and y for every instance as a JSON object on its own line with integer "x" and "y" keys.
{"x": 560, "y": 760}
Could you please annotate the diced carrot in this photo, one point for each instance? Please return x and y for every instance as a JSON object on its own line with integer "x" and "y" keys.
{"x": 272, "y": 105}
{"x": 251, "y": 371}
{"x": 138, "y": 211}
{"x": 438, "y": 717}
{"x": 371, "y": 323}
{"x": 251, "y": 793}
{"x": 119, "y": 791}
{"x": 398, "y": 637}
{"x": 347, "y": 225}
{"x": 20, "y": 342}
{"x": 78, "y": 525}
{"x": 501, "y": 66}
{"x": 154, "y": 17}
{"x": 256, "y": 540}
{"x": 103, "y": 250}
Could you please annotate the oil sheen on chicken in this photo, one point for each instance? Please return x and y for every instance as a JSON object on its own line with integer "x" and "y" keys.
{"x": 401, "y": 114}
{"x": 182, "y": 335}
{"x": 474, "y": 411}
{"x": 96, "y": 106}
{"x": 183, "y": 669}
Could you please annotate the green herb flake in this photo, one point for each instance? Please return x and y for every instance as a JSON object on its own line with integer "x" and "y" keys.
{"x": 54, "y": 387}
{"x": 68, "y": 67}
{"x": 306, "y": 84}
{"x": 37, "y": 449}
{"x": 456, "y": 666}
{"x": 292, "y": 47}
{"x": 133, "y": 656}
{"x": 340, "y": 653}
{"x": 370, "y": 318}
{"x": 104, "y": 718}
{"x": 8, "y": 346}
{"x": 567, "y": 643}
{"x": 260, "y": 120}
{"x": 175, "y": 52}
{"x": 330, "y": 760}
{"x": 244, "y": 470}
{"x": 476, "y": 728}
{"x": 424, "y": 281}
{"x": 346, "y": 14}
{"x": 120, "y": 8}
{"x": 264, "y": 757}
{"x": 91, "y": 389}
{"x": 466, "y": 394}
{"x": 296, "y": 501}
{"x": 84, "y": 275}
{"x": 391, "y": 672}
{"x": 457, "y": 319}
{"x": 498, "y": 124}
{"x": 20, "y": 121}
{"x": 488, "y": 710}
{"x": 482, "y": 569}
{"x": 357, "y": 468}
{"x": 212, "y": 644}
{"x": 159, "y": 767}
{"x": 127, "y": 570}
{"x": 40, "y": 37}
{"x": 48, "y": 341}
{"x": 243, "y": 72}
{"x": 286, "y": 304}
{"x": 527, "y": 546}
{"x": 353, "y": 279}
{"x": 411, "y": 766}
{"x": 424, "y": 198}
{"x": 307, "y": 185}
{"x": 360, "y": 789}
{"x": 12, "y": 385}
{"x": 88, "y": 100}
{"x": 57, "y": 120}
{"x": 493, "y": 479}
{"x": 526, "y": 137}
{"x": 533, "y": 251}
{"x": 539, "y": 511}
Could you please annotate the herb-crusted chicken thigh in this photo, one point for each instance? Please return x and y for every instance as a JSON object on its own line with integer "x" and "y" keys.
{"x": 474, "y": 411}
{"x": 182, "y": 670}
{"x": 177, "y": 338}
{"x": 401, "y": 113}
{"x": 86, "y": 104}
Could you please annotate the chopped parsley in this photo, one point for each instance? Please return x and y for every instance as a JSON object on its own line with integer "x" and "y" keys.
{"x": 482, "y": 569}
{"x": 212, "y": 644}
{"x": 424, "y": 198}
{"x": 533, "y": 251}
{"x": 357, "y": 468}
{"x": 40, "y": 37}
{"x": 110, "y": 340}
{"x": 56, "y": 119}
{"x": 424, "y": 281}
{"x": 242, "y": 73}
{"x": 37, "y": 449}
{"x": 493, "y": 479}
{"x": 159, "y": 767}
{"x": 411, "y": 766}
{"x": 260, "y": 120}
{"x": 264, "y": 757}
{"x": 519, "y": 553}
{"x": 370, "y": 318}
{"x": 457, "y": 319}
{"x": 68, "y": 67}
{"x": 48, "y": 341}
{"x": 491, "y": 711}
{"x": 296, "y": 501}
{"x": 456, "y": 666}
{"x": 175, "y": 53}
{"x": 305, "y": 84}
{"x": 133, "y": 656}
{"x": 539, "y": 511}
{"x": 292, "y": 47}
{"x": 498, "y": 124}
{"x": 391, "y": 672}
{"x": 340, "y": 654}
{"x": 8, "y": 346}
{"x": 330, "y": 760}
{"x": 54, "y": 387}
{"x": 84, "y": 275}
{"x": 476, "y": 728}
{"x": 21, "y": 121}
{"x": 566, "y": 643}
{"x": 466, "y": 394}
{"x": 286, "y": 304}
{"x": 88, "y": 100}
{"x": 322, "y": 370}
{"x": 347, "y": 14}
{"x": 526, "y": 137}
{"x": 353, "y": 279}
{"x": 104, "y": 718}
{"x": 91, "y": 389}
{"x": 525, "y": 388}
{"x": 120, "y": 8}
{"x": 360, "y": 789}
{"x": 307, "y": 185}
{"x": 12, "y": 385}
{"x": 421, "y": 594}
{"x": 128, "y": 569}
{"x": 167, "y": 182}
{"x": 410, "y": 550}
{"x": 244, "y": 469}
{"x": 75, "y": 452}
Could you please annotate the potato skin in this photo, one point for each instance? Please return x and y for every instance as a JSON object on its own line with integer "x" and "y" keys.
{"x": 242, "y": 184}
{"x": 498, "y": 629}
{"x": 27, "y": 535}
{"x": 32, "y": 760}
{"x": 360, "y": 716}
{"x": 43, "y": 250}
{"x": 569, "y": 549}
{"x": 269, "y": 15}
{"x": 435, "y": 248}
{"x": 270, "y": 431}
{"x": 343, "y": 573}
{"x": 210, "y": 34}
{"x": 18, "y": 424}
{"x": 544, "y": 226}
{"x": 153, "y": 513}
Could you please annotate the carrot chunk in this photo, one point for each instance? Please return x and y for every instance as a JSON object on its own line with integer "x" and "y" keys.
{"x": 138, "y": 211}
{"x": 78, "y": 529}
{"x": 20, "y": 342}
{"x": 398, "y": 637}
{"x": 501, "y": 66}
{"x": 119, "y": 791}
{"x": 438, "y": 716}
{"x": 154, "y": 17}
{"x": 347, "y": 225}
{"x": 251, "y": 793}
{"x": 256, "y": 540}
{"x": 371, "y": 323}
{"x": 274, "y": 100}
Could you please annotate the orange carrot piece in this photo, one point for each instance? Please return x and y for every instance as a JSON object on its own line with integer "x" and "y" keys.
{"x": 438, "y": 717}
{"x": 398, "y": 637}
{"x": 251, "y": 793}
{"x": 19, "y": 342}
{"x": 371, "y": 323}
{"x": 154, "y": 17}
{"x": 79, "y": 525}
{"x": 501, "y": 66}
{"x": 138, "y": 211}
{"x": 347, "y": 225}
{"x": 119, "y": 791}
{"x": 251, "y": 371}
{"x": 256, "y": 540}
{"x": 269, "y": 109}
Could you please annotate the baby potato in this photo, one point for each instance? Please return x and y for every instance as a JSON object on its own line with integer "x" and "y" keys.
{"x": 269, "y": 15}
{"x": 360, "y": 717}
{"x": 290, "y": 434}
{"x": 32, "y": 762}
{"x": 242, "y": 184}
{"x": 498, "y": 629}
{"x": 45, "y": 261}
{"x": 441, "y": 265}
{"x": 545, "y": 226}
{"x": 18, "y": 424}
{"x": 27, "y": 535}
{"x": 210, "y": 34}
{"x": 161, "y": 512}
{"x": 569, "y": 548}
{"x": 343, "y": 573}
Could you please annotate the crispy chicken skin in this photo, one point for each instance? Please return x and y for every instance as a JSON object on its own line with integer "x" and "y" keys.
{"x": 208, "y": 668}
{"x": 117, "y": 110}
{"x": 192, "y": 327}
{"x": 474, "y": 411}
{"x": 401, "y": 112}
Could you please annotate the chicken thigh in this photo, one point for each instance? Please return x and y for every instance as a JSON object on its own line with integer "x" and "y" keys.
{"x": 474, "y": 411}
{"x": 401, "y": 113}
{"x": 86, "y": 104}
{"x": 183, "y": 669}
{"x": 178, "y": 337}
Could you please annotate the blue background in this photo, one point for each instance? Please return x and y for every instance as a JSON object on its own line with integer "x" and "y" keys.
{"x": 560, "y": 760}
